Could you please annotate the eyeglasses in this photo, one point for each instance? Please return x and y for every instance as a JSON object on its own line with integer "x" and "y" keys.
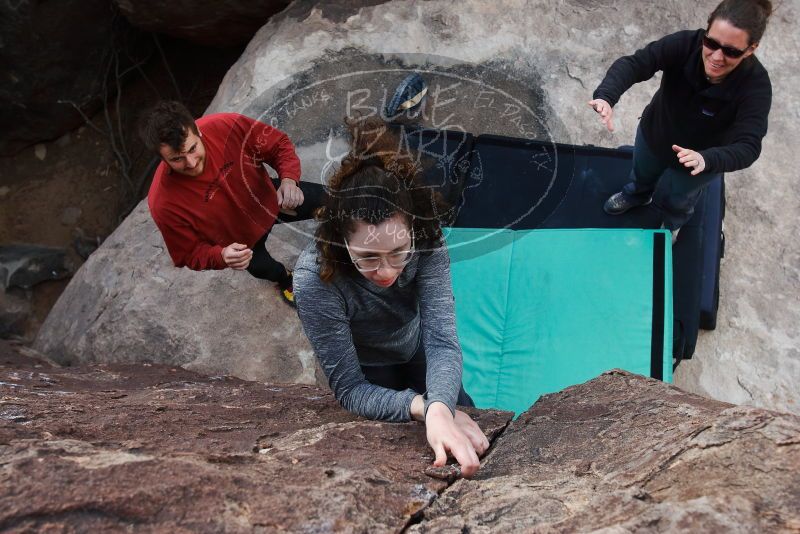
{"x": 728, "y": 51}
{"x": 395, "y": 260}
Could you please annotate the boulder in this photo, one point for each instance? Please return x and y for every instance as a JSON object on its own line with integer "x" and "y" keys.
{"x": 52, "y": 53}
{"x": 211, "y": 24}
{"x": 129, "y": 303}
{"x": 155, "y": 448}
{"x": 561, "y": 51}
{"x": 511, "y": 68}
{"x": 622, "y": 453}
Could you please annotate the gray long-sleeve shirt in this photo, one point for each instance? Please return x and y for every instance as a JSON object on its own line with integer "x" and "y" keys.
{"x": 352, "y": 322}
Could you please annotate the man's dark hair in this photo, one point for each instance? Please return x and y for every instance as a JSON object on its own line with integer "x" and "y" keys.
{"x": 166, "y": 123}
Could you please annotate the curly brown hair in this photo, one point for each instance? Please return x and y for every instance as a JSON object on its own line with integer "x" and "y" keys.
{"x": 376, "y": 180}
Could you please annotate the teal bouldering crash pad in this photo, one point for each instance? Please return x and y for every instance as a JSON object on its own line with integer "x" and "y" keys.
{"x": 540, "y": 310}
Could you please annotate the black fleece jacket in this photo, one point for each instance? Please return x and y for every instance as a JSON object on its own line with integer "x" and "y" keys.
{"x": 725, "y": 122}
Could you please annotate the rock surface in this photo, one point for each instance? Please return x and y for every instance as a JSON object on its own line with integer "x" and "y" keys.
{"x": 128, "y": 303}
{"x": 51, "y": 51}
{"x": 626, "y": 454}
{"x": 206, "y": 23}
{"x": 152, "y": 447}
{"x": 540, "y": 61}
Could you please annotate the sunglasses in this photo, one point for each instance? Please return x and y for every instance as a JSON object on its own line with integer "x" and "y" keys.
{"x": 727, "y": 51}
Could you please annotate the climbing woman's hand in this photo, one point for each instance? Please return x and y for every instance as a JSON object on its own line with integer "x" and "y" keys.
{"x": 473, "y": 432}
{"x": 444, "y": 436}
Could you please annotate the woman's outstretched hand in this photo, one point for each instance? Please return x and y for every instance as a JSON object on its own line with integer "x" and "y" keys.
{"x": 445, "y": 435}
{"x": 605, "y": 111}
{"x": 690, "y": 159}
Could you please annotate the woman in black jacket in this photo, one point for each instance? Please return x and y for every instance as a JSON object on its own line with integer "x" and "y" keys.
{"x": 708, "y": 116}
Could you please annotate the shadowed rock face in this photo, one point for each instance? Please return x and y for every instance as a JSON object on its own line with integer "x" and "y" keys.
{"x": 156, "y": 448}
{"x": 53, "y": 53}
{"x": 210, "y": 23}
{"x": 27, "y": 265}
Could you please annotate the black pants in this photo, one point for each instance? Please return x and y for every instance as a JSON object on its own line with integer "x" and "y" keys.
{"x": 264, "y": 266}
{"x": 409, "y": 375}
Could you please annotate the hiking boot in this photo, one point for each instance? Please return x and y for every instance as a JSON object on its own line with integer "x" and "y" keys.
{"x": 287, "y": 293}
{"x": 619, "y": 203}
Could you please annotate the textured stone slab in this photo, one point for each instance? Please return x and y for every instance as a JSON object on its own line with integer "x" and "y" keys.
{"x": 622, "y": 453}
{"x": 153, "y": 448}
{"x": 156, "y": 448}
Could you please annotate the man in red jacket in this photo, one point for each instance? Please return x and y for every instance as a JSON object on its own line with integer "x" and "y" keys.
{"x": 211, "y": 197}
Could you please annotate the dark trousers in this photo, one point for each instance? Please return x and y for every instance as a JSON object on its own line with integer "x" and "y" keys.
{"x": 264, "y": 266}
{"x": 684, "y": 188}
{"x": 409, "y": 375}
